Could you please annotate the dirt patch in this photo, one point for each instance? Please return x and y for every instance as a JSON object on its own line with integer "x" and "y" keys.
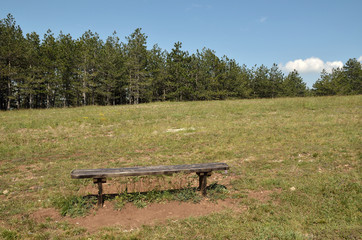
{"x": 131, "y": 217}
{"x": 30, "y": 167}
{"x": 42, "y": 214}
{"x": 263, "y": 195}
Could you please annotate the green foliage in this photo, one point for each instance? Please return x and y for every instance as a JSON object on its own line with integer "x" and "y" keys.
{"x": 342, "y": 81}
{"x": 9, "y": 235}
{"x": 12, "y": 60}
{"x": 325, "y": 85}
{"x": 111, "y": 69}
{"x": 62, "y": 72}
{"x": 74, "y": 206}
{"x": 217, "y": 192}
{"x": 89, "y": 47}
{"x": 351, "y": 82}
{"x": 140, "y": 200}
{"x": 187, "y": 194}
{"x": 136, "y": 62}
{"x": 293, "y": 85}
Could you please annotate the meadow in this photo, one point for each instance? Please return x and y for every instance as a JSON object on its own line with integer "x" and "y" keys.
{"x": 304, "y": 152}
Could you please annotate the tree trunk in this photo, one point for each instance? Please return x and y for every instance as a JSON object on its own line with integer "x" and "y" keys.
{"x": 84, "y": 85}
{"x": 18, "y": 102}
{"x": 137, "y": 89}
{"x": 130, "y": 93}
{"x": 9, "y": 94}
{"x": 30, "y": 101}
{"x": 54, "y": 98}
{"x": 84, "y": 99}
{"x": 48, "y": 97}
{"x": 9, "y": 88}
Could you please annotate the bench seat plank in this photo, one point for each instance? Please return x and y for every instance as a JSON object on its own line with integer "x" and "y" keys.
{"x": 149, "y": 170}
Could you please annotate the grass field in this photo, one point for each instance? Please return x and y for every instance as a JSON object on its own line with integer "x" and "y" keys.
{"x": 305, "y": 151}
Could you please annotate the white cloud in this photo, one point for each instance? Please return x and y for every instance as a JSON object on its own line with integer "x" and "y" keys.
{"x": 310, "y": 65}
{"x": 263, "y": 19}
{"x": 360, "y": 59}
{"x": 198, "y": 6}
{"x": 330, "y": 65}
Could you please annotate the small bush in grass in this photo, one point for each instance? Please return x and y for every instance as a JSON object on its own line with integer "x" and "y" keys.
{"x": 9, "y": 235}
{"x": 187, "y": 194}
{"x": 74, "y": 205}
{"x": 120, "y": 201}
{"x": 139, "y": 203}
{"x": 140, "y": 200}
{"x": 217, "y": 192}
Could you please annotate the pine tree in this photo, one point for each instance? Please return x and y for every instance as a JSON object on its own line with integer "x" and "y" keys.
{"x": 213, "y": 76}
{"x": 136, "y": 62}
{"x": 67, "y": 58}
{"x": 89, "y": 47}
{"x": 11, "y": 61}
{"x": 276, "y": 78}
{"x": 293, "y": 85}
{"x": 157, "y": 72}
{"x": 50, "y": 74}
{"x": 352, "y": 78}
{"x": 177, "y": 80}
{"x": 325, "y": 85}
{"x": 111, "y": 71}
{"x": 238, "y": 79}
{"x": 33, "y": 86}
{"x": 260, "y": 83}
{"x": 342, "y": 81}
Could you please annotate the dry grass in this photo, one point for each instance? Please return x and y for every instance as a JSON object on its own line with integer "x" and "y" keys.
{"x": 307, "y": 148}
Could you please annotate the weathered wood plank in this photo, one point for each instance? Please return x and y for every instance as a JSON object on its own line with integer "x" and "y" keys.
{"x": 149, "y": 170}
{"x": 99, "y": 181}
{"x": 203, "y": 182}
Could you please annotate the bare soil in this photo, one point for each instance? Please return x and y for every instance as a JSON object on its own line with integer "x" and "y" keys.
{"x": 131, "y": 217}
{"x": 262, "y": 195}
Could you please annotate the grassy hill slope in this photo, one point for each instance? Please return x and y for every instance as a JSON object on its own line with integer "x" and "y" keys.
{"x": 307, "y": 151}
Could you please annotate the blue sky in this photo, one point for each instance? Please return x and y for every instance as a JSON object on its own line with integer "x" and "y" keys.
{"x": 306, "y": 35}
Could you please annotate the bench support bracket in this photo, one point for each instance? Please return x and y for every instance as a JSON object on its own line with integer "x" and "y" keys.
{"x": 203, "y": 181}
{"x": 99, "y": 181}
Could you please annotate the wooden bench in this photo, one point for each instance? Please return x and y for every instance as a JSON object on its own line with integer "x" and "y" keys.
{"x": 99, "y": 176}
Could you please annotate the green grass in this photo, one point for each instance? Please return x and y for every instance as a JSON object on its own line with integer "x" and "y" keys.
{"x": 141, "y": 200}
{"x": 74, "y": 206}
{"x": 307, "y": 148}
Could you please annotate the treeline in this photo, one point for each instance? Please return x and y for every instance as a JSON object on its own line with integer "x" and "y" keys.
{"x": 342, "y": 81}
{"x": 62, "y": 71}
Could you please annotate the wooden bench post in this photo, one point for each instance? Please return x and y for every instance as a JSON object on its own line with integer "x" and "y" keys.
{"x": 203, "y": 181}
{"x": 99, "y": 181}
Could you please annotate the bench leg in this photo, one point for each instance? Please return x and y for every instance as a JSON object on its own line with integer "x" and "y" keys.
{"x": 99, "y": 181}
{"x": 203, "y": 181}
